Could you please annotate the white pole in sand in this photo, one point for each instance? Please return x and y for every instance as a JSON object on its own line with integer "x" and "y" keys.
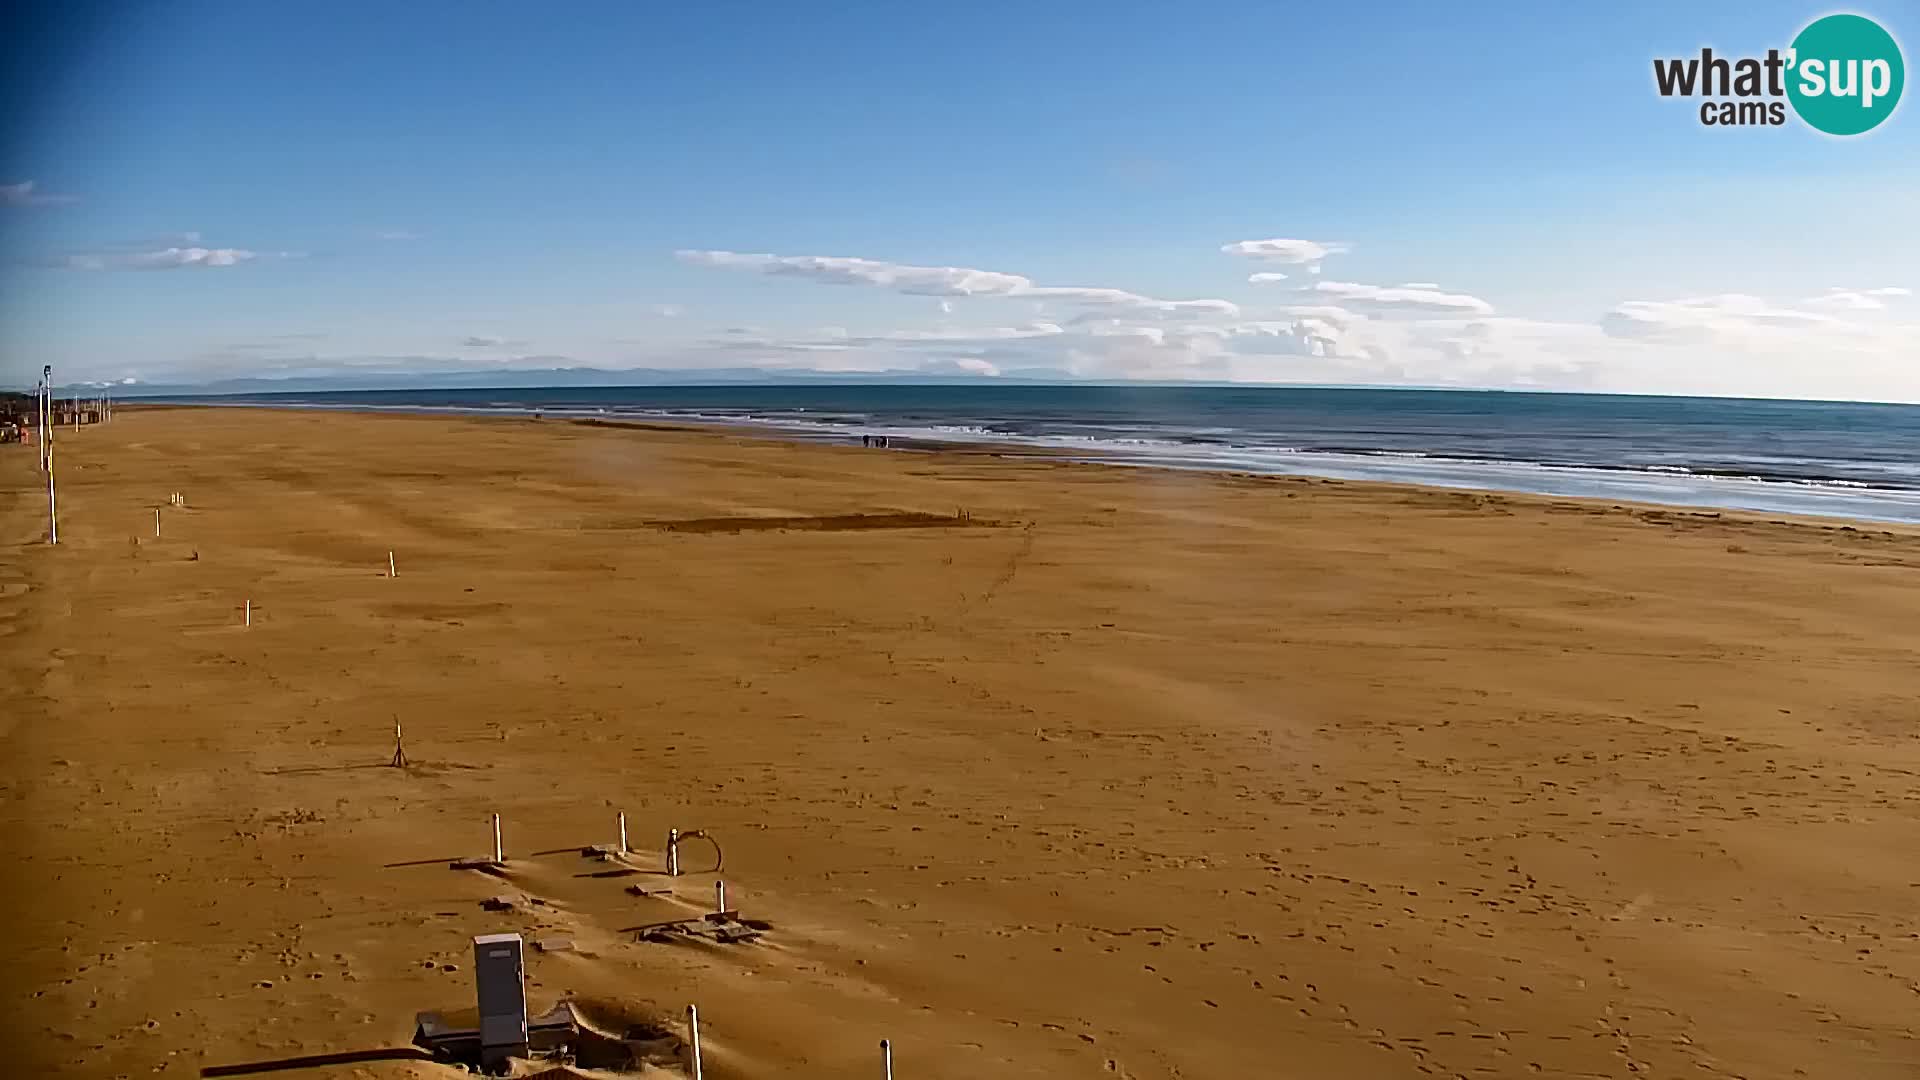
{"x": 673, "y": 852}
{"x": 499, "y": 853}
{"x": 53, "y": 518}
{"x": 720, "y": 897}
{"x": 693, "y": 1031}
{"x": 249, "y": 611}
{"x": 46, "y": 448}
{"x": 623, "y": 832}
{"x": 156, "y": 521}
{"x": 886, "y": 1057}
{"x": 391, "y": 572}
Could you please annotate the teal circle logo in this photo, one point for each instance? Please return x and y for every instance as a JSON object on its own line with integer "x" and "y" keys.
{"x": 1846, "y": 74}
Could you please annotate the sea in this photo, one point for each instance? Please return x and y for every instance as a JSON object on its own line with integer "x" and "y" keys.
{"x": 1836, "y": 459}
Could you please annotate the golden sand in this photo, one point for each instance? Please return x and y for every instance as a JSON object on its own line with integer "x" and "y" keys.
{"x": 1037, "y": 769}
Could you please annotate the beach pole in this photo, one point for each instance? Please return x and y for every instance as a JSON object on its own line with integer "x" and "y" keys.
{"x": 693, "y": 1032}
{"x": 53, "y": 517}
{"x": 673, "y": 852}
{"x": 46, "y": 408}
{"x": 623, "y": 832}
{"x": 399, "y": 748}
{"x": 720, "y": 897}
{"x": 391, "y": 572}
{"x": 249, "y": 611}
{"x": 156, "y": 521}
{"x": 499, "y": 853}
{"x": 886, "y": 1058}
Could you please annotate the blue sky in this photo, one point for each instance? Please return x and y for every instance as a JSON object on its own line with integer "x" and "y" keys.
{"x": 235, "y": 189}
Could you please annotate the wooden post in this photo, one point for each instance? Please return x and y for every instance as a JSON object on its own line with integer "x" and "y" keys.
{"x": 499, "y": 853}
{"x": 391, "y": 572}
{"x": 53, "y": 517}
{"x": 623, "y": 832}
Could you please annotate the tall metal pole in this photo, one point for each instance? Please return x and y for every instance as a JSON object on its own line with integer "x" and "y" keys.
{"x": 53, "y": 518}
{"x": 46, "y": 417}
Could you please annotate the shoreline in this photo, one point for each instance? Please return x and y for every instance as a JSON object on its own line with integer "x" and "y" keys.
{"x": 1061, "y": 456}
{"x": 1676, "y": 487}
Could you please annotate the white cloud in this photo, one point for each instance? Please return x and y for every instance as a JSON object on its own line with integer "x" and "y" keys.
{"x": 952, "y": 281}
{"x": 1133, "y": 303}
{"x": 1265, "y": 277}
{"x": 172, "y": 258}
{"x": 839, "y": 270}
{"x": 1728, "y": 318}
{"x": 1420, "y": 285}
{"x": 1402, "y": 300}
{"x": 1303, "y": 253}
{"x": 28, "y": 193}
{"x": 1295, "y": 337}
{"x": 1859, "y": 299}
{"x": 398, "y": 235}
{"x": 950, "y": 337}
{"x": 1327, "y": 313}
{"x": 669, "y": 311}
{"x": 1847, "y": 301}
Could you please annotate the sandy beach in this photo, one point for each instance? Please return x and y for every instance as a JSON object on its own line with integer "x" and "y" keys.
{"x": 1036, "y": 769}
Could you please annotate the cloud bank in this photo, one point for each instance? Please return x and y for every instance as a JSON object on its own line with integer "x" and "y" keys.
{"x": 1351, "y": 332}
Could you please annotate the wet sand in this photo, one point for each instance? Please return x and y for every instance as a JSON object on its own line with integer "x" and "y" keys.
{"x": 1037, "y": 769}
